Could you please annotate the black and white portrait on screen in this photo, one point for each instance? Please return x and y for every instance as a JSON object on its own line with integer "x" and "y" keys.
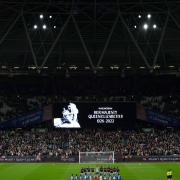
{"x": 69, "y": 119}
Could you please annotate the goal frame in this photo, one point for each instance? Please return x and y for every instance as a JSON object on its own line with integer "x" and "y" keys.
{"x": 94, "y": 152}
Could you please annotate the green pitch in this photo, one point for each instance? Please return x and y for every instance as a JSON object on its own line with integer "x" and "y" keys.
{"x": 53, "y": 171}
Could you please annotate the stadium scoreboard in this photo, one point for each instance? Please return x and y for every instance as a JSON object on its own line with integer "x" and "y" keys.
{"x": 91, "y": 115}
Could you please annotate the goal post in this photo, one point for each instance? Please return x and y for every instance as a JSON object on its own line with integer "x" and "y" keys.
{"x": 96, "y": 157}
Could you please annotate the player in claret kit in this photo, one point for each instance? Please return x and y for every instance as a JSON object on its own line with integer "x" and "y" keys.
{"x": 88, "y": 170}
{"x": 85, "y": 170}
{"x": 114, "y": 170}
{"x": 111, "y": 171}
{"x": 101, "y": 170}
{"x": 95, "y": 177}
{"x": 117, "y": 170}
{"x": 92, "y": 170}
{"x": 105, "y": 170}
{"x": 108, "y": 170}
{"x": 82, "y": 171}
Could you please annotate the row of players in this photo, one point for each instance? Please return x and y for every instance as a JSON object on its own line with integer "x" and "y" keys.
{"x": 96, "y": 177}
{"x": 102, "y": 173}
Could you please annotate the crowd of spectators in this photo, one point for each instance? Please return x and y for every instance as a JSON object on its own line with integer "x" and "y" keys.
{"x": 168, "y": 105}
{"x": 63, "y": 144}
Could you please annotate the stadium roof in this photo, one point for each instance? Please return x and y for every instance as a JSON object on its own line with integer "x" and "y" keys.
{"x": 89, "y": 35}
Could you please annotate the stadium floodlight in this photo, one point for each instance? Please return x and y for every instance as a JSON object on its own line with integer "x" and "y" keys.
{"x": 35, "y": 26}
{"x": 157, "y": 66}
{"x": 100, "y": 67}
{"x": 139, "y": 16}
{"x": 145, "y": 26}
{"x": 16, "y": 67}
{"x": 86, "y": 67}
{"x": 41, "y": 16}
{"x": 141, "y": 67}
{"x": 3, "y": 67}
{"x": 58, "y": 67}
{"x": 114, "y": 67}
{"x": 149, "y": 16}
{"x": 96, "y": 157}
{"x": 154, "y": 26}
{"x": 44, "y": 26}
{"x": 54, "y": 27}
{"x": 45, "y": 67}
{"x": 31, "y": 67}
{"x": 50, "y": 17}
{"x": 73, "y": 67}
{"x": 135, "y": 26}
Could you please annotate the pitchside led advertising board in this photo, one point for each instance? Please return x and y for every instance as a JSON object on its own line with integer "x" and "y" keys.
{"x": 91, "y": 115}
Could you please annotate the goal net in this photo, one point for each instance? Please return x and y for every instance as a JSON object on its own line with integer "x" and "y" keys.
{"x": 96, "y": 157}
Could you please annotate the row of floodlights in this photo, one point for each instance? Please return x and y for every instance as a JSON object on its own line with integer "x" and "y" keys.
{"x": 74, "y": 67}
{"x": 148, "y": 16}
{"x": 43, "y": 26}
{"x": 146, "y": 25}
{"x": 41, "y": 16}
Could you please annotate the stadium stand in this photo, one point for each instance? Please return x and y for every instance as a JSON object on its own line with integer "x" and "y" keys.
{"x": 66, "y": 143}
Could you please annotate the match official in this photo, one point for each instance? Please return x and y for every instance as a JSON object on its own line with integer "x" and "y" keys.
{"x": 169, "y": 174}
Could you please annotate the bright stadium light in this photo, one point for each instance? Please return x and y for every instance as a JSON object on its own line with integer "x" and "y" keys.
{"x": 54, "y": 27}
{"x": 142, "y": 67}
{"x": 87, "y": 67}
{"x": 41, "y": 16}
{"x": 154, "y": 26}
{"x": 145, "y": 26}
{"x": 3, "y": 67}
{"x": 31, "y": 67}
{"x": 50, "y": 17}
{"x": 135, "y": 26}
{"x": 16, "y": 67}
{"x": 44, "y": 26}
{"x": 114, "y": 67}
{"x": 35, "y": 26}
{"x": 149, "y": 16}
{"x": 45, "y": 67}
{"x": 157, "y": 66}
{"x": 139, "y": 16}
{"x": 73, "y": 67}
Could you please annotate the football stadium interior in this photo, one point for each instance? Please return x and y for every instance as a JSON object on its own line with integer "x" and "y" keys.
{"x": 89, "y": 89}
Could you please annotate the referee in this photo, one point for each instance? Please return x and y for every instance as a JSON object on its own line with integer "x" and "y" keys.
{"x": 169, "y": 174}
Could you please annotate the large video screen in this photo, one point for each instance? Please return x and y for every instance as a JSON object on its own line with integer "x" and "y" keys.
{"x": 94, "y": 115}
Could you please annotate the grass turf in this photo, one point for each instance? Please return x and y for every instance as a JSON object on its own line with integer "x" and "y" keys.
{"x": 60, "y": 171}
